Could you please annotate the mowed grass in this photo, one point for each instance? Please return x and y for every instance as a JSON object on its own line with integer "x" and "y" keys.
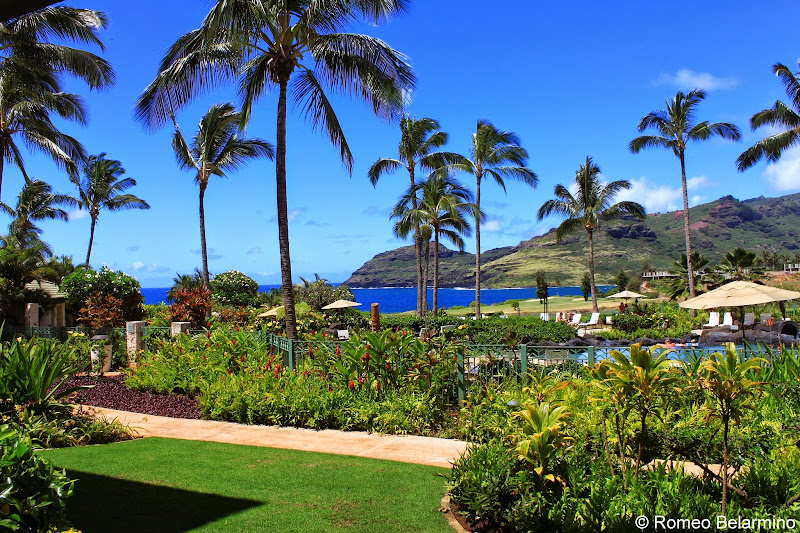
{"x": 170, "y": 485}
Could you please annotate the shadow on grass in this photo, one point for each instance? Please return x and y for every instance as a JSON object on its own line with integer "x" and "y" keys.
{"x": 102, "y": 503}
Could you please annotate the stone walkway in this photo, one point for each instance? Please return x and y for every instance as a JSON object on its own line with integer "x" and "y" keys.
{"x": 406, "y": 449}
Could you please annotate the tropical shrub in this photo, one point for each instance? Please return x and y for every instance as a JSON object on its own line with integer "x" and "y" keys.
{"x": 233, "y": 288}
{"x": 102, "y": 311}
{"x": 191, "y": 305}
{"x": 32, "y": 492}
{"x": 86, "y": 283}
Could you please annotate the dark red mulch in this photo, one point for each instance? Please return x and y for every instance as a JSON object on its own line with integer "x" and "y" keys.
{"x": 111, "y": 393}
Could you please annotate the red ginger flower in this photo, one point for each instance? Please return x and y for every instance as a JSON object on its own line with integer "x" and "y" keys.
{"x": 352, "y": 385}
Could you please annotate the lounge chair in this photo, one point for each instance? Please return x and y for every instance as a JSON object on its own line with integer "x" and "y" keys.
{"x": 749, "y": 320}
{"x": 559, "y": 316}
{"x": 446, "y": 328}
{"x": 713, "y": 320}
{"x": 343, "y": 334}
{"x": 545, "y": 316}
{"x": 594, "y": 320}
{"x": 765, "y": 317}
{"x": 576, "y": 320}
{"x": 727, "y": 320}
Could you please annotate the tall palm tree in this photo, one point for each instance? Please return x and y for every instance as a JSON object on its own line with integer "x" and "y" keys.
{"x": 283, "y": 44}
{"x": 36, "y": 202}
{"x": 676, "y": 127}
{"x": 498, "y": 155}
{"x": 591, "y": 204}
{"x": 420, "y": 140}
{"x": 33, "y": 58}
{"x": 215, "y": 150}
{"x": 444, "y": 206}
{"x": 781, "y": 115}
{"x": 101, "y": 187}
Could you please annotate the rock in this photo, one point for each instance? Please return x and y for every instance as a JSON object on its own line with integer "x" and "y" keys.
{"x": 591, "y": 340}
{"x": 647, "y": 341}
{"x": 577, "y": 341}
{"x": 543, "y": 343}
{"x": 714, "y": 338}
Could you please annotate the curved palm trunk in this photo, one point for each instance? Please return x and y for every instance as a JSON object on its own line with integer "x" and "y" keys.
{"x": 426, "y": 277}
{"x": 478, "y": 248}
{"x": 417, "y": 249}
{"x": 591, "y": 269}
{"x": 436, "y": 272}
{"x": 283, "y": 215}
{"x": 91, "y": 239}
{"x": 203, "y": 248}
{"x": 689, "y": 266}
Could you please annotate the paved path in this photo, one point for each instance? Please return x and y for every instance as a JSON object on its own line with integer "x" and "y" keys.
{"x": 406, "y": 449}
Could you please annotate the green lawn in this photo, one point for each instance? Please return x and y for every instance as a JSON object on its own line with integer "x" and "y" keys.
{"x": 169, "y": 485}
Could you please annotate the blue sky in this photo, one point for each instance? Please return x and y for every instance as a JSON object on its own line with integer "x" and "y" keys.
{"x": 571, "y": 79}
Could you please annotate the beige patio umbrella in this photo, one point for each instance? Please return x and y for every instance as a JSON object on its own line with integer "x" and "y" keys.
{"x": 271, "y": 312}
{"x": 627, "y": 294}
{"x": 738, "y": 294}
{"x": 341, "y": 304}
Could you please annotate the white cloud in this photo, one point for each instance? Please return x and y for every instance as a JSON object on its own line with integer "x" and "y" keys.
{"x": 291, "y": 215}
{"x": 689, "y": 79}
{"x": 491, "y": 226}
{"x": 253, "y": 251}
{"x": 782, "y": 176}
{"x": 659, "y": 198}
{"x": 139, "y": 266}
{"x": 78, "y": 214}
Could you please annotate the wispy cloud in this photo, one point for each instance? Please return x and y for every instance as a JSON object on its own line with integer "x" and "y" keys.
{"x": 212, "y": 254}
{"x": 133, "y": 248}
{"x": 316, "y": 224}
{"x": 491, "y": 226}
{"x": 782, "y": 176}
{"x": 373, "y": 211}
{"x": 659, "y": 198}
{"x": 291, "y": 215}
{"x": 140, "y": 267}
{"x": 689, "y": 79}
{"x": 254, "y": 251}
{"x": 78, "y": 214}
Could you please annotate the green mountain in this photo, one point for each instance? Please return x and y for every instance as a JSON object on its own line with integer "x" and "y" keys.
{"x": 759, "y": 224}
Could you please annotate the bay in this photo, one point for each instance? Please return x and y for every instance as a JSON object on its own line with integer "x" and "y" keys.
{"x": 398, "y": 300}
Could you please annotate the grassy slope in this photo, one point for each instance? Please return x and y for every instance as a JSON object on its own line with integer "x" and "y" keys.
{"x": 169, "y": 485}
{"x": 717, "y": 228}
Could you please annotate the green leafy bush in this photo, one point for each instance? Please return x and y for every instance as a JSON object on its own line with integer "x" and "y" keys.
{"x": 32, "y": 492}
{"x": 233, "y": 288}
{"x": 86, "y": 282}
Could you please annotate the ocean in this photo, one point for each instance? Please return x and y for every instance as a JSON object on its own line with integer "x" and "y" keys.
{"x": 397, "y": 300}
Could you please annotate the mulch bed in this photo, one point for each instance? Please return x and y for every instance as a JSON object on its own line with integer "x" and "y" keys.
{"x": 110, "y": 392}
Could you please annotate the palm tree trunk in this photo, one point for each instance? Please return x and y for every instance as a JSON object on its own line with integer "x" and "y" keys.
{"x": 641, "y": 444}
{"x": 203, "y": 248}
{"x": 417, "y": 248}
{"x": 725, "y": 469}
{"x": 478, "y": 248}
{"x": 91, "y": 238}
{"x": 591, "y": 269}
{"x": 2, "y": 164}
{"x": 435, "y": 271}
{"x": 425, "y": 277}
{"x": 283, "y": 215}
{"x": 689, "y": 266}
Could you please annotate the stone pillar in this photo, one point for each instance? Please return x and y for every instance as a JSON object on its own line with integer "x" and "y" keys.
{"x": 133, "y": 339}
{"x": 32, "y": 315}
{"x": 179, "y": 327}
{"x": 60, "y": 319}
{"x": 376, "y": 318}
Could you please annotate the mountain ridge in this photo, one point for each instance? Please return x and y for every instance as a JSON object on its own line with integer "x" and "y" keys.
{"x": 757, "y": 224}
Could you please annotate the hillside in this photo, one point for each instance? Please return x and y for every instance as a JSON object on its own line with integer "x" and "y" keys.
{"x": 717, "y": 227}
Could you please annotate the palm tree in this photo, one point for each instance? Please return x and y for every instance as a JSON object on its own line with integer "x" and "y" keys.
{"x": 444, "y": 206}
{"x": 781, "y": 115}
{"x": 36, "y": 202}
{"x": 738, "y": 265}
{"x": 102, "y": 188}
{"x": 678, "y": 285}
{"x": 586, "y": 208}
{"x": 30, "y": 80}
{"x": 185, "y": 282}
{"x": 676, "y": 127}
{"x": 419, "y": 141}
{"x": 268, "y": 44}
{"x": 498, "y": 155}
{"x": 216, "y": 149}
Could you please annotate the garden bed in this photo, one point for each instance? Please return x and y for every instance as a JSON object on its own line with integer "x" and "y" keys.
{"x": 110, "y": 392}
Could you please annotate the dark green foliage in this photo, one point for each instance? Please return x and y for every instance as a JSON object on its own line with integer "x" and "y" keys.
{"x": 586, "y": 286}
{"x": 622, "y": 281}
{"x": 319, "y": 293}
{"x": 233, "y": 288}
{"x": 32, "y": 492}
{"x": 541, "y": 285}
{"x": 86, "y": 282}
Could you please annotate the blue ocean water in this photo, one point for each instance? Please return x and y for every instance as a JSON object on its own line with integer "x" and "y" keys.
{"x": 397, "y": 300}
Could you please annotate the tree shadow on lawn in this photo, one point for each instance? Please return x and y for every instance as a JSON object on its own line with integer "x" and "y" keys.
{"x": 102, "y": 503}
